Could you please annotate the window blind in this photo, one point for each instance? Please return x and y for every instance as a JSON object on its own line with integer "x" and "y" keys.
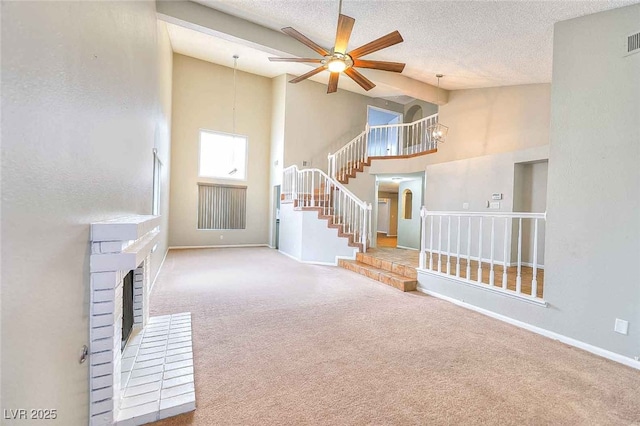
{"x": 222, "y": 206}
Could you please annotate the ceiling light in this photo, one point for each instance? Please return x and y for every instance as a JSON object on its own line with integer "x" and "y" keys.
{"x": 337, "y": 65}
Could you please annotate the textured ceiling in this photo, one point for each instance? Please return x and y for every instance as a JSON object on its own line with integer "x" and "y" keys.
{"x": 474, "y": 43}
{"x": 219, "y": 51}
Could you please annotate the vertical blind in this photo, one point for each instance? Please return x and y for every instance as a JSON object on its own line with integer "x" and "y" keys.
{"x": 222, "y": 206}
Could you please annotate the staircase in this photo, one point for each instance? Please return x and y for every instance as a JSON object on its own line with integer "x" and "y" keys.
{"x": 392, "y": 141}
{"x": 314, "y": 190}
{"x": 377, "y": 267}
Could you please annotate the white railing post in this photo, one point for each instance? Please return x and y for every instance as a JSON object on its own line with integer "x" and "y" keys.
{"x": 458, "y": 249}
{"x": 534, "y": 280}
{"x": 423, "y": 236}
{"x": 440, "y": 244}
{"x": 519, "y": 270}
{"x": 469, "y": 250}
{"x": 492, "y": 275}
{"x": 449, "y": 245}
{"x": 480, "y": 253}
{"x": 504, "y": 258}
{"x": 431, "y": 246}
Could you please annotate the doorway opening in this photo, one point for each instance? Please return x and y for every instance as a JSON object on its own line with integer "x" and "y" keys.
{"x": 383, "y": 141}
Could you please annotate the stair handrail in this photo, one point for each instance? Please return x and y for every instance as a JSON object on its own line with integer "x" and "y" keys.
{"x": 383, "y": 126}
{"x": 357, "y": 149}
{"x": 358, "y": 225}
{"x": 334, "y": 182}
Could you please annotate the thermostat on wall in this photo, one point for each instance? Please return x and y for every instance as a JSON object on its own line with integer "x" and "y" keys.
{"x": 496, "y": 196}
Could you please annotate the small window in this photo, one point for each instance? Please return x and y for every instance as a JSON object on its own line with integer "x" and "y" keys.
{"x": 222, "y": 156}
{"x": 407, "y": 203}
{"x": 157, "y": 177}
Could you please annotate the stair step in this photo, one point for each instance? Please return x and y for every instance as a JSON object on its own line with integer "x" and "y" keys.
{"x": 384, "y": 276}
{"x": 407, "y": 271}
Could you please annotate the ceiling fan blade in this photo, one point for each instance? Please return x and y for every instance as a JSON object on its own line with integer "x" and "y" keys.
{"x": 381, "y": 43}
{"x": 307, "y": 60}
{"x": 333, "y": 82}
{"x": 345, "y": 25}
{"x": 309, "y": 74}
{"x": 305, "y": 40}
{"x": 363, "y": 81}
{"x": 379, "y": 65}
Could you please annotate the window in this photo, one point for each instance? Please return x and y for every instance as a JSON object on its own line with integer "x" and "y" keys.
{"x": 222, "y": 206}
{"x": 407, "y": 203}
{"x": 222, "y": 156}
{"x": 157, "y": 175}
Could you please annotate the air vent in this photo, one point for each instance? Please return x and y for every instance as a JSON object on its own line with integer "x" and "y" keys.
{"x": 633, "y": 44}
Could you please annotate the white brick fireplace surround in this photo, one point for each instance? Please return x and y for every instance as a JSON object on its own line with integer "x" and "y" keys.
{"x": 157, "y": 363}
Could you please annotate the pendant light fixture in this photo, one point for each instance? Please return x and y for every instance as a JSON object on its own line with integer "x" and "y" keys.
{"x": 438, "y": 132}
{"x": 233, "y": 113}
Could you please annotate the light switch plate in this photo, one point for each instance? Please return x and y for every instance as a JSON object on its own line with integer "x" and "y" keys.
{"x": 621, "y": 326}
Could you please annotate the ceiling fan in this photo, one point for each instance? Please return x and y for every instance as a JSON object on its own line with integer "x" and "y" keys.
{"x": 338, "y": 60}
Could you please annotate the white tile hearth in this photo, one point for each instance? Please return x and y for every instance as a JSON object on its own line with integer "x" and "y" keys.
{"x": 157, "y": 371}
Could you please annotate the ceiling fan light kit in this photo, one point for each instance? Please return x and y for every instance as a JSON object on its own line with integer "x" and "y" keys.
{"x": 338, "y": 60}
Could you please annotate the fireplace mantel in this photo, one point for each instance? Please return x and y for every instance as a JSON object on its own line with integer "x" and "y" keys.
{"x": 119, "y": 379}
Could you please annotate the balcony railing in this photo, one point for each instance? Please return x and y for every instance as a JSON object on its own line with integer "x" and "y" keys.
{"x": 499, "y": 251}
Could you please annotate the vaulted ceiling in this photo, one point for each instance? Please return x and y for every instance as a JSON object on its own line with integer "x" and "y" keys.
{"x": 474, "y": 43}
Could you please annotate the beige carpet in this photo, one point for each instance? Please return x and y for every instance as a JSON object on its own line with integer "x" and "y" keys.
{"x": 279, "y": 342}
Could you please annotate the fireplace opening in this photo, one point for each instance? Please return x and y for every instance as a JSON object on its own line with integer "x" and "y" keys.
{"x": 127, "y": 308}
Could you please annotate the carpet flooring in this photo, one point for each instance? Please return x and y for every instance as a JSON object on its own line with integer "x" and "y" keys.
{"x": 278, "y": 342}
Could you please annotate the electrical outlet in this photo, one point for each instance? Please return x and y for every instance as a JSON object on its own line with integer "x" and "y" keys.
{"x": 465, "y": 206}
{"x": 621, "y": 326}
{"x": 495, "y": 205}
{"x": 222, "y": 237}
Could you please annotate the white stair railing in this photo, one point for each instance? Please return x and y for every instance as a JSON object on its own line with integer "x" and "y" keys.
{"x": 452, "y": 243}
{"x": 386, "y": 141}
{"x": 314, "y": 188}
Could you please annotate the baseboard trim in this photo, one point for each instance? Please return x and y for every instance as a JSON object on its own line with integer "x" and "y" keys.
{"x": 220, "y": 246}
{"x": 629, "y": 362}
{"x": 159, "y": 269}
{"x": 407, "y": 248}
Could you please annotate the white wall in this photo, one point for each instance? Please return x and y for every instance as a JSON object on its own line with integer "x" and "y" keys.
{"x": 593, "y": 229}
{"x": 306, "y": 238}
{"x": 530, "y": 195}
{"x": 203, "y": 99}
{"x": 593, "y": 194}
{"x": 82, "y": 113}
{"x": 473, "y": 181}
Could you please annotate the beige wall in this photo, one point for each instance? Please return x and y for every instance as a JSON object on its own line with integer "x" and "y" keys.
{"x": 278, "y": 104}
{"x": 203, "y": 99}
{"x": 483, "y": 122}
{"x": 81, "y": 114}
{"x": 317, "y": 123}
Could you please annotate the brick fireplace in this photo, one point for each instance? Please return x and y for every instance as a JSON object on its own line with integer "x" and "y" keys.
{"x": 160, "y": 366}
